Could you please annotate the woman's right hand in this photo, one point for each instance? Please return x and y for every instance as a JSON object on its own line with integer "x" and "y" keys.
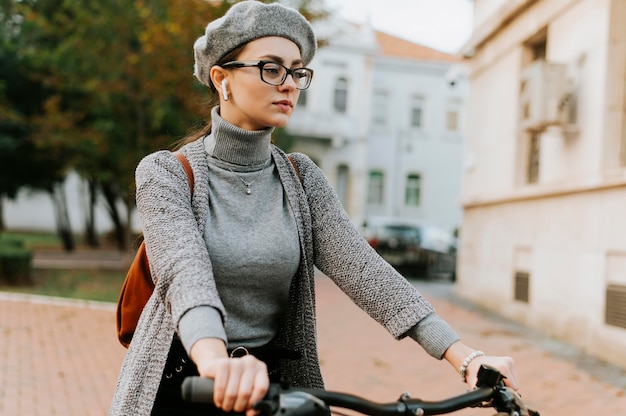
{"x": 238, "y": 382}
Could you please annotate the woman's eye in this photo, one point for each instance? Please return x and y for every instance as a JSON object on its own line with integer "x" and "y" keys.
{"x": 271, "y": 70}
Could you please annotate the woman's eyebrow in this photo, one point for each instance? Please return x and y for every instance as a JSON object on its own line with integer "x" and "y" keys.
{"x": 280, "y": 60}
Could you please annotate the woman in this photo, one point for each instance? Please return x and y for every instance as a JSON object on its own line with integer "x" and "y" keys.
{"x": 235, "y": 262}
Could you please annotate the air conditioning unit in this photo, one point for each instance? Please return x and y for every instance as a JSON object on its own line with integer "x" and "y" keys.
{"x": 543, "y": 95}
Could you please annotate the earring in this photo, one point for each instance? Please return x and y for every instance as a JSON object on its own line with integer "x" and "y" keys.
{"x": 224, "y": 90}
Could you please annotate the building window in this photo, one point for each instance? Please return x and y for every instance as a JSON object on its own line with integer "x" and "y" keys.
{"x": 413, "y": 187}
{"x": 302, "y": 99}
{"x": 417, "y": 112}
{"x": 534, "y": 50}
{"x": 534, "y": 145}
{"x": 341, "y": 95}
{"x": 380, "y": 108}
{"x": 343, "y": 178}
{"x": 375, "y": 188}
{"x": 452, "y": 120}
{"x": 535, "y": 47}
{"x": 538, "y": 48}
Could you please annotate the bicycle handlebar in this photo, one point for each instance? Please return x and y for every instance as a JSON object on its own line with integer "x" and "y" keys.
{"x": 286, "y": 401}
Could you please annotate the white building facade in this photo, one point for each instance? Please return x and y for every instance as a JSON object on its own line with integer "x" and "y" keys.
{"x": 545, "y": 179}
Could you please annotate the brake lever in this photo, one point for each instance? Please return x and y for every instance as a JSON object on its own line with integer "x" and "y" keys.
{"x": 506, "y": 401}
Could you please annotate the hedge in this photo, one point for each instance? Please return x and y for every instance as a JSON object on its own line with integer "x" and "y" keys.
{"x": 15, "y": 262}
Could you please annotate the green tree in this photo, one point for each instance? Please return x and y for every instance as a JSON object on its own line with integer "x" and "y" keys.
{"x": 22, "y": 163}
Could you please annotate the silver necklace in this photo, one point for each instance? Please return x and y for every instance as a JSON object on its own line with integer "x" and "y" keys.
{"x": 246, "y": 184}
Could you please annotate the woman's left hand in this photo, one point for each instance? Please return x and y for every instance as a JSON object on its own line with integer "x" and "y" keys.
{"x": 505, "y": 365}
{"x": 459, "y": 352}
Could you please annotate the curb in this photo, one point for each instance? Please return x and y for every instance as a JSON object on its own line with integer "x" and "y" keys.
{"x": 57, "y": 301}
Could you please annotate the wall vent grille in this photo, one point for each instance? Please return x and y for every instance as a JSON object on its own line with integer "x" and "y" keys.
{"x": 615, "y": 312}
{"x": 522, "y": 284}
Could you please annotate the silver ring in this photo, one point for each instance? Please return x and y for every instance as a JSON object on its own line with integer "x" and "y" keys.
{"x": 239, "y": 352}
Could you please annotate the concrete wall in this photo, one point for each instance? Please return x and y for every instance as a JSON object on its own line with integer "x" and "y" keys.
{"x": 34, "y": 211}
{"x": 569, "y": 246}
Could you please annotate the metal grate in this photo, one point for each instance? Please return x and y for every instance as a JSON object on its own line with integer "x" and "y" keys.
{"x": 522, "y": 283}
{"x": 615, "y": 312}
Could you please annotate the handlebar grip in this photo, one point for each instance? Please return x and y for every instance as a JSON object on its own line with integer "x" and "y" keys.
{"x": 197, "y": 389}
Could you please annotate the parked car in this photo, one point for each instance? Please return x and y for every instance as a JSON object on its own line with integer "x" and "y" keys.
{"x": 399, "y": 244}
{"x": 414, "y": 249}
{"x": 437, "y": 239}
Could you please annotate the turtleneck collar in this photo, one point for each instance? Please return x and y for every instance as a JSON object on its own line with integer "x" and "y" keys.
{"x": 235, "y": 145}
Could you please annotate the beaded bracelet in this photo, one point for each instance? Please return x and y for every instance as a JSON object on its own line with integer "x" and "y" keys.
{"x": 466, "y": 362}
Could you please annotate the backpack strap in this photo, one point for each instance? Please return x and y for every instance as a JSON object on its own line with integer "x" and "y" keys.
{"x": 295, "y": 166}
{"x": 183, "y": 161}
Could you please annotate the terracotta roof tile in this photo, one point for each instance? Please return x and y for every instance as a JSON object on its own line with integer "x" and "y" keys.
{"x": 397, "y": 47}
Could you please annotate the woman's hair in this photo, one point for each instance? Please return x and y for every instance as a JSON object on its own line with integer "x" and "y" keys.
{"x": 212, "y": 102}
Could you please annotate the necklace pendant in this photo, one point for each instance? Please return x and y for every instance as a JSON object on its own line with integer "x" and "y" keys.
{"x": 248, "y": 191}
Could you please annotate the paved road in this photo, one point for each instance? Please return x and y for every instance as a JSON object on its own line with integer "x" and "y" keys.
{"x": 61, "y": 357}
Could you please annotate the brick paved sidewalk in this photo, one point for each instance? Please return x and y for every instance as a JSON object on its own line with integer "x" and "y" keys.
{"x": 361, "y": 357}
{"x": 57, "y": 357}
{"x": 62, "y": 358}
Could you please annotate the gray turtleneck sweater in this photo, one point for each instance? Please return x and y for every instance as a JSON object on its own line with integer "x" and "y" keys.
{"x": 252, "y": 239}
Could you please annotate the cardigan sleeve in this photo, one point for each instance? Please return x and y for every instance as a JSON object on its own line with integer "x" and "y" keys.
{"x": 344, "y": 255}
{"x": 177, "y": 253}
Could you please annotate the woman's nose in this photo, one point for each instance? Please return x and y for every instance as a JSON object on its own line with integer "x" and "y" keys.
{"x": 289, "y": 82}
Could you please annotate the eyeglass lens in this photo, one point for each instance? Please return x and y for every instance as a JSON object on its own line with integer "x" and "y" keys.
{"x": 275, "y": 74}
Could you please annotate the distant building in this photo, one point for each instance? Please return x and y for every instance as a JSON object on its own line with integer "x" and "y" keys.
{"x": 544, "y": 231}
{"x": 383, "y": 119}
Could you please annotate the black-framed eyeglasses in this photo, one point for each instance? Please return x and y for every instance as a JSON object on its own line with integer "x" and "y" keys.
{"x": 275, "y": 74}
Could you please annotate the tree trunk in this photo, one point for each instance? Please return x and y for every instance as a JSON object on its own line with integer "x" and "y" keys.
{"x": 64, "y": 227}
{"x": 91, "y": 235}
{"x": 110, "y": 196}
{"x": 2, "y": 224}
{"x": 130, "y": 206}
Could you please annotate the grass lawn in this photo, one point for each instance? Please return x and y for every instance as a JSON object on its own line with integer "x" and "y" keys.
{"x": 101, "y": 285}
{"x": 32, "y": 240}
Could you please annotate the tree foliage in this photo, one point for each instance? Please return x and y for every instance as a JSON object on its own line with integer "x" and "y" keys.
{"x": 22, "y": 162}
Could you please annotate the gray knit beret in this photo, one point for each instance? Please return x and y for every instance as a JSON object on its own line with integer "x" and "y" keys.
{"x": 245, "y": 22}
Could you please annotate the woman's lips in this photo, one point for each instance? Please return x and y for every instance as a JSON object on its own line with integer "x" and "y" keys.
{"x": 284, "y": 105}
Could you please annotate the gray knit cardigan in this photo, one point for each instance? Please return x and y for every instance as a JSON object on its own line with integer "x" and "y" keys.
{"x": 173, "y": 230}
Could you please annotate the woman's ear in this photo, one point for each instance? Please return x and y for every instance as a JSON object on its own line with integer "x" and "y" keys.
{"x": 217, "y": 75}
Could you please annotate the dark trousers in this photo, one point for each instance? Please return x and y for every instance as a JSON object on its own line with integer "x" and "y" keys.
{"x": 169, "y": 401}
